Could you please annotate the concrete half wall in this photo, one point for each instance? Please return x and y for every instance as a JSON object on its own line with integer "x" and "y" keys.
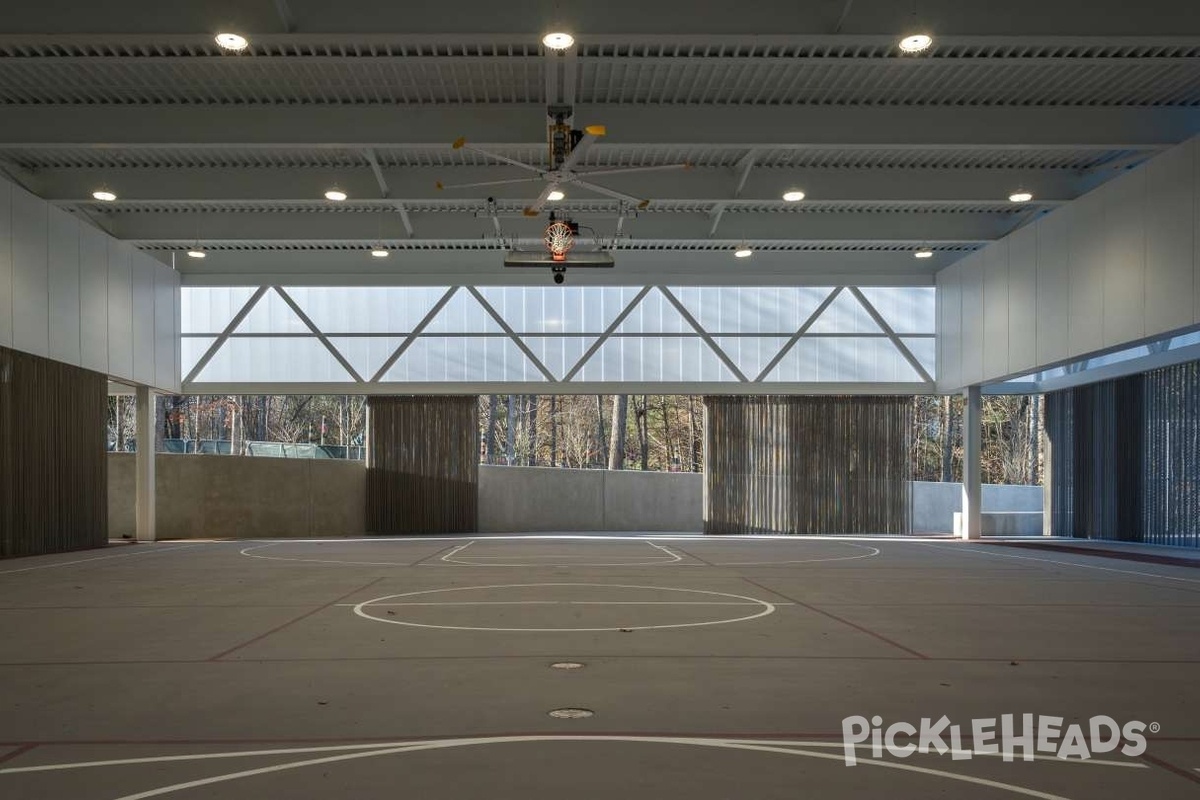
{"x": 202, "y": 496}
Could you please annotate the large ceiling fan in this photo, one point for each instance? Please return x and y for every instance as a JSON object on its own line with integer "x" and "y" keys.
{"x": 568, "y": 149}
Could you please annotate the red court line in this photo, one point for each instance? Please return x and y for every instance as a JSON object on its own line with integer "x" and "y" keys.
{"x": 1169, "y": 767}
{"x": 303, "y": 616}
{"x": 835, "y": 617}
{"x": 21, "y": 750}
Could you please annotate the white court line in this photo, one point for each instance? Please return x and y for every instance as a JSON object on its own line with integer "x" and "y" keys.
{"x": 673, "y": 558}
{"x": 791, "y": 750}
{"x": 564, "y": 603}
{"x": 768, "y": 608}
{"x": 874, "y": 551}
{"x": 246, "y": 552}
{"x": 118, "y": 762}
{"x": 153, "y": 549}
{"x": 971, "y": 549}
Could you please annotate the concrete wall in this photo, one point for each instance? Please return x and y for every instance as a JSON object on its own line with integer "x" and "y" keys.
{"x": 72, "y": 293}
{"x": 202, "y": 496}
{"x": 549, "y": 499}
{"x": 934, "y": 504}
{"x": 1119, "y": 264}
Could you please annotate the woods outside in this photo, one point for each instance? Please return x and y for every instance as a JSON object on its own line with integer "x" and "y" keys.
{"x": 647, "y": 432}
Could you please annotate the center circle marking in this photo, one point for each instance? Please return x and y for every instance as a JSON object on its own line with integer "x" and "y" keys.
{"x": 761, "y": 607}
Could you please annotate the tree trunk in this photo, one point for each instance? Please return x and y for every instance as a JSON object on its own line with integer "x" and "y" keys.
{"x": 696, "y": 444}
{"x": 643, "y": 414}
{"x": 1034, "y": 440}
{"x": 616, "y": 445}
{"x": 489, "y": 441}
{"x": 947, "y": 441}
{"x": 600, "y": 437}
{"x": 510, "y": 435}
{"x": 531, "y": 424}
{"x": 666, "y": 420}
{"x": 553, "y": 431}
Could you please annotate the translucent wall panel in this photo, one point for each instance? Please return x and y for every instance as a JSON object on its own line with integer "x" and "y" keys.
{"x": 191, "y": 349}
{"x": 272, "y": 315}
{"x": 463, "y": 314}
{"x": 845, "y": 315}
{"x": 209, "y": 309}
{"x": 366, "y": 353}
{"x": 842, "y": 359}
{"x": 265, "y": 359}
{"x": 559, "y": 309}
{"x": 559, "y": 353}
{"x": 468, "y": 359}
{"x": 366, "y": 309}
{"x": 756, "y": 309}
{"x": 655, "y": 314}
{"x": 751, "y": 353}
{"x": 906, "y": 309}
{"x": 925, "y": 350}
{"x": 655, "y": 358}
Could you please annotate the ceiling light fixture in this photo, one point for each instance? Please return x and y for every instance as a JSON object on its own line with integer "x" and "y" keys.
{"x": 743, "y": 251}
{"x": 196, "y": 252}
{"x": 558, "y": 40}
{"x": 335, "y": 194}
{"x": 555, "y": 194}
{"x": 232, "y": 41}
{"x": 793, "y": 195}
{"x": 1020, "y": 197}
{"x": 104, "y": 195}
{"x": 916, "y": 43}
{"x": 381, "y": 252}
{"x": 924, "y": 252}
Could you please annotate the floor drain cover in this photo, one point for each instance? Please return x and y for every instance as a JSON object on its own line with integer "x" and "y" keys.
{"x": 566, "y": 665}
{"x": 572, "y": 713}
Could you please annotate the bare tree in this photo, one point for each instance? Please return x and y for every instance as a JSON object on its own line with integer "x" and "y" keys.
{"x": 616, "y": 445}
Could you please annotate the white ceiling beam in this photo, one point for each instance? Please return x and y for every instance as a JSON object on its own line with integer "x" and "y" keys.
{"x": 286, "y": 18}
{"x": 672, "y": 124}
{"x": 742, "y": 170}
{"x": 413, "y": 184}
{"x": 840, "y": 225}
{"x": 369, "y": 155}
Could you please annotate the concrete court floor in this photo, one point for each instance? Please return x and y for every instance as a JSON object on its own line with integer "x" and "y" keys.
{"x": 715, "y": 668}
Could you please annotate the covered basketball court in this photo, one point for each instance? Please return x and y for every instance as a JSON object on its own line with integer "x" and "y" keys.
{"x": 804, "y": 213}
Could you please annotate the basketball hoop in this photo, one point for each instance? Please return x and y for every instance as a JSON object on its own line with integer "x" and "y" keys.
{"x": 559, "y": 239}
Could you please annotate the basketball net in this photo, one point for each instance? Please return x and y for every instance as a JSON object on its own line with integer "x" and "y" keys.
{"x": 559, "y": 239}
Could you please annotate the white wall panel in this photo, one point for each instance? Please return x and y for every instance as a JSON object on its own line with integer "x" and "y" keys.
{"x": 1053, "y": 287}
{"x": 1124, "y": 247}
{"x": 995, "y": 309}
{"x": 950, "y": 335}
{"x": 166, "y": 340}
{"x": 972, "y": 319}
{"x": 1022, "y": 298}
{"x": 93, "y": 298}
{"x": 120, "y": 309}
{"x": 1170, "y": 230}
{"x": 63, "y": 285}
{"x": 1085, "y": 259}
{"x": 142, "y": 269}
{"x": 6, "y": 268}
{"x": 31, "y": 314}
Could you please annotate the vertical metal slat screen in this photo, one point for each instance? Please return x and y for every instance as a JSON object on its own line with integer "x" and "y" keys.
{"x": 1126, "y": 458}
{"x": 53, "y": 473}
{"x": 808, "y": 465}
{"x": 423, "y": 465}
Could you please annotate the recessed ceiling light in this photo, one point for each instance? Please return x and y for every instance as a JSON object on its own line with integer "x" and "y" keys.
{"x": 232, "y": 41}
{"x": 380, "y": 252}
{"x": 793, "y": 195}
{"x": 916, "y": 43}
{"x": 104, "y": 195}
{"x": 196, "y": 252}
{"x": 335, "y": 194}
{"x": 924, "y": 252}
{"x": 743, "y": 252}
{"x": 1020, "y": 197}
{"x": 555, "y": 195}
{"x": 558, "y": 40}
